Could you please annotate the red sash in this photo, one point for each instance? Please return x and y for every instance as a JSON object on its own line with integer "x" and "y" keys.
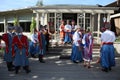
{"x": 20, "y": 42}
{"x": 40, "y": 40}
{"x": 5, "y": 39}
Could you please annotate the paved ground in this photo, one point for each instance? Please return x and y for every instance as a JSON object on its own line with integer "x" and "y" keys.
{"x": 60, "y": 69}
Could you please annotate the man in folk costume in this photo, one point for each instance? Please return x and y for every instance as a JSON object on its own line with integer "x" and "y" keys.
{"x": 67, "y": 30}
{"x": 107, "y": 49}
{"x": 7, "y": 38}
{"x": 73, "y": 27}
{"x": 42, "y": 46}
{"x": 20, "y": 51}
{"x": 62, "y": 33}
{"x": 76, "y": 55}
{"x": 102, "y": 30}
{"x": 33, "y": 44}
{"x": 88, "y": 44}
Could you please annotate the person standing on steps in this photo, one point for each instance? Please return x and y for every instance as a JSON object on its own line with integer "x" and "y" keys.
{"x": 20, "y": 51}
{"x": 67, "y": 30}
{"x": 62, "y": 33}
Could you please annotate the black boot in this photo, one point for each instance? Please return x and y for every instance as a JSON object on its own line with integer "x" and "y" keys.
{"x": 105, "y": 69}
{"x": 41, "y": 59}
{"x": 26, "y": 68}
{"x": 13, "y": 67}
{"x": 9, "y": 66}
{"x": 33, "y": 56}
{"x": 17, "y": 69}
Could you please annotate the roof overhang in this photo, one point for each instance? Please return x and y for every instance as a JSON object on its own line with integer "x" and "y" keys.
{"x": 74, "y": 9}
{"x": 115, "y": 15}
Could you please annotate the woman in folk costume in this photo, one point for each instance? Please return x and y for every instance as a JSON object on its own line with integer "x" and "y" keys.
{"x": 88, "y": 44}
{"x": 33, "y": 44}
{"x": 7, "y": 38}
{"x": 62, "y": 33}
{"x": 67, "y": 30}
{"x": 20, "y": 51}
{"x": 76, "y": 55}
{"x": 107, "y": 50}
{"x": 42, "y": 45}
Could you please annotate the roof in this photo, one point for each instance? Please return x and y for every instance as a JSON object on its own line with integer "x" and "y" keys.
{"x": 73, "y": 7}
{"x": 113, "y": 4}
{"x": 60, "y": 6}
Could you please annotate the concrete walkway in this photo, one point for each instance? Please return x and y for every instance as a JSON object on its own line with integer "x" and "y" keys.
{"x": 60, "y": 69}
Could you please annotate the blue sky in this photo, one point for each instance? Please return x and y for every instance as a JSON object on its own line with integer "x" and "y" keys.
{"x": 16, "y": 4}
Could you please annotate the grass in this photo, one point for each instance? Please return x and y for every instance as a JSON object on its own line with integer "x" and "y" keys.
{"x": 117, "y": 39}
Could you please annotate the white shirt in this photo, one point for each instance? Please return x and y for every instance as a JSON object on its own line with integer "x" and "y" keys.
{"x": 76, "y": 38}
{"x": 108, "y": 36}
{"x": 34, "y": 38}
{"x": 68, "y": 27}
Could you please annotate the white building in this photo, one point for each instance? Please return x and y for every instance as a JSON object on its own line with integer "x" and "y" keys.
{"x": 86, "y": 16}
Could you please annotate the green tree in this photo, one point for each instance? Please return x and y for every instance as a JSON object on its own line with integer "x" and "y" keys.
{"x": 16, "y": 22}
{"x": 39, "y": 3}
{"x": 33, "y": 25}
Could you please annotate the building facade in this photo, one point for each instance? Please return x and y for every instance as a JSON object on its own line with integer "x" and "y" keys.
{"x": 92, "y": 17}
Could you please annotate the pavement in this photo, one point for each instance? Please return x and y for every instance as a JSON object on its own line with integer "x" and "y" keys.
{"x": 60, "y": 69}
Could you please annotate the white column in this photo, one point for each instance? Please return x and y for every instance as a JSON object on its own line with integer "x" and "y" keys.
{"x": 43, "y": 16}
{"x": 84, "y": 21}
{"x": 108, "y": 17}
{"x": 37, "y": 21}
{"x": 5, "y": 24}
{"x": 55, "y": 26}
{"x": 98, "y": 33}
{"x": 92, "y": 22}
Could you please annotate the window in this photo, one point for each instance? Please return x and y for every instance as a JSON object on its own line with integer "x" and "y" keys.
{"x": 1, "y": 27}
{"x": 25, "y": 26}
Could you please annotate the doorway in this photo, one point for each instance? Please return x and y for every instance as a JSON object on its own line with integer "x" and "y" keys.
{"x": 70, "y": 16}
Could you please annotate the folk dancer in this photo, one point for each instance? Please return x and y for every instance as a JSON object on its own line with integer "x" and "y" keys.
{"x": 67, "y": 30}
{"x": 42, "y": 46}
{"x": 47, "y": 38}
{"x": 102, "y": 30}
{"x": 88, "y": 44}
{"x": 107, "y": 50}
{"x": 76, "y": 55}
{"x": 62, "y": 33}
{"x": 73, "y": 27}
{"x": 20, "y": 51}
{"x": 33, "y": 44}
{"x": 7, "y": 38}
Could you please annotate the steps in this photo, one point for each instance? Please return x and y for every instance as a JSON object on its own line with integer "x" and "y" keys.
{"x": 64, "y": 51}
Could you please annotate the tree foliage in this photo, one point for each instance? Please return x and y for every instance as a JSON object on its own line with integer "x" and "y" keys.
{"x": 33, "y": 25}
{"x": 16, "y": 22}
{"x": 39, "y": 3}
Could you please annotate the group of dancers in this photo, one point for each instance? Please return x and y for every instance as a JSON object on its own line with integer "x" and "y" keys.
{"x": 18, "y": 47}
{"x": 82, "y": 43}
